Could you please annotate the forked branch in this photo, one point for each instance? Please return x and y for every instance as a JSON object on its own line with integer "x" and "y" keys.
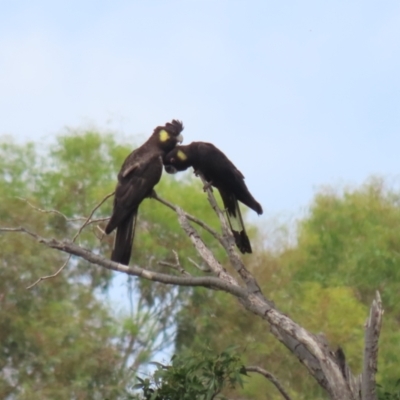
{"x": 88, "y": 221}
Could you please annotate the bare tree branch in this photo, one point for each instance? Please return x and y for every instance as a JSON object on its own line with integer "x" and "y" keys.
{"x": 51, "y": 211}
{"x": 205, "y": 253}
{"x": 372, "y": 332}
{"x": 22, "y": 230}
{"x": 203, "y": 269}
{"x": 228, "y": 242}
{"x": 73, "y": 249}
{"x": 43, "y": 211}
{"x": 327, "y": 367}
{"x": 39, "y": 239}
{"x": 189, "y": 217}
{"x": 43, "y": 278}
{"x": 271, "y": 378}
{"x": 176, "y": 266}
{"x": 87, "y": 222}
{"x": 90, "y": 215}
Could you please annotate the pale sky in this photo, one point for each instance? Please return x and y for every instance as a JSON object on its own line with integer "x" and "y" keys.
{"x": 297, "y": 94}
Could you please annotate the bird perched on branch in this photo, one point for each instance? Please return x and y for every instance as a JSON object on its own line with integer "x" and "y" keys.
{"x": 139, "y": 173}
{"x": 221, "y": 173}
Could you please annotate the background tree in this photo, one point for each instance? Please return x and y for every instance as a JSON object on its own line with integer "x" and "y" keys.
{"x": 344, "y": 230}
{"x": 79, "y": 170}
{"x": 60, "y": 339}
{"x": 56, "y": 339}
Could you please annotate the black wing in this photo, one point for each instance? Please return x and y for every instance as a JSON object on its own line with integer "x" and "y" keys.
{"x": 136, "y": 181}
{"x": 218, "y": 169}
{"x": 132, "y": 189}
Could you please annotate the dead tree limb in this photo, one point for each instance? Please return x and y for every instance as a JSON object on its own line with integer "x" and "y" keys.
{"x": 189, "y": 217}
{"x": 308, "y": 348}
{"x": 320, "y": 362}
{"x": 372, "y": 332}
{"x": 177, "y": 266}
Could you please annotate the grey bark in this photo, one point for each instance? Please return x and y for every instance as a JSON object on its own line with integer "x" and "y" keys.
{"x": 372, "y": 332}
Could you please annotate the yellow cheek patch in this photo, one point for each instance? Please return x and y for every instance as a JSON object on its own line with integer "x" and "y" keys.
{"x": 164, "y": 135}
{"x": 181, "y": 155}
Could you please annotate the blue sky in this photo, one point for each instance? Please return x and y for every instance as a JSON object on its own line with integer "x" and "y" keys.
{"x": 297, "y": 94}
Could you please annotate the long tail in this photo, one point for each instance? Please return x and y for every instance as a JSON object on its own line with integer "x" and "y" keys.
{"x": 124, "y": 240}
{"x": 239, "y": 231}
{"x": 235, "y": 221}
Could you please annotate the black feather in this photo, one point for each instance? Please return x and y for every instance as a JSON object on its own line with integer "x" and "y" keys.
{"x": 139, "y": 173}
{"x": 221, "y": 173}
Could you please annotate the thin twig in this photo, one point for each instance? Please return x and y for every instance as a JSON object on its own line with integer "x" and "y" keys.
{"x": 51, "y": 211}
{"x": 87, "y": 222}
{"x": 41, "y": 210}
{"x": 21, "y": 229}
{"x": 90, "y": 215}
{"x": 93, "y": 221}
{"x": 42, "y": 278}
{"x": 176, "y": 266}
{"x": 40, "y": 240}
{"x": 271, "y": 378}
{"x": 203, "y": 269}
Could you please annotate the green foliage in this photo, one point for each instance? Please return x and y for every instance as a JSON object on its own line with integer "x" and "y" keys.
{"x": 58, "y": 339}
{"x": 201, "y": 376}
{"x": 353, "y": 239}
{"x": 336, "y": 312}
{"x": 216, "y": 319}
{"x": 394, "y": 394}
